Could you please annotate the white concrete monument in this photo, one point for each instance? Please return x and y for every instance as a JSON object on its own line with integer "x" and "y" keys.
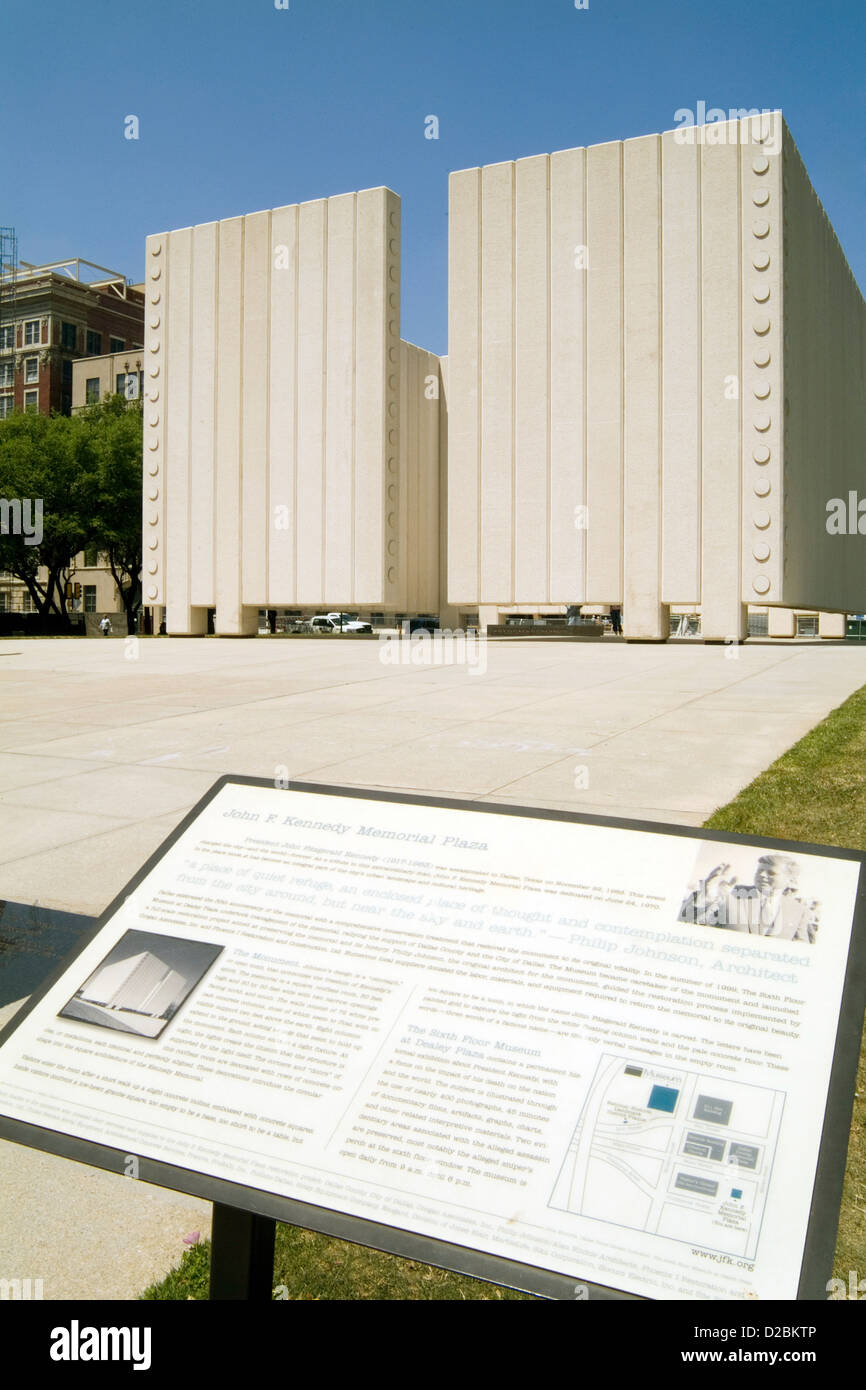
{"x": 657, "y": 356}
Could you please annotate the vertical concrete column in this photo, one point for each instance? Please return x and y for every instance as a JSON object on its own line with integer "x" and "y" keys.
{"x": 463, "y": 387}
{"x": 723, "y": 614}
{"x": 176, "y": 323}
{"x": 488, "y": 613}
{"x": 531, "y": 514}
{"x": 154, "y": 474}
{"x": 762, "y": 383}
{"x": 255, "y": 531}
{"x": 202, "y": 423}
{"x": 339, "y": 479}
{"x": 283, "y": 408}
{"x": 780, "y": 622}
{"x": 604, "y": 364}
{"x": 377, "y": 559}
{"x": 645, "y": 618}
{"x": 681, "y": 370}
{"x": 232, "y": 618}
{"x": 312, "y": 241}
{"x": 831, "y": 625}
{"x": 567, "y": 470}
{"x": 497, "y": 384}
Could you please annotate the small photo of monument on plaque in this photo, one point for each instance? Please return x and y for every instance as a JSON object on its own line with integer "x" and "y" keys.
{"x": 769, "y": 893}
{"x": 142, "y": 983}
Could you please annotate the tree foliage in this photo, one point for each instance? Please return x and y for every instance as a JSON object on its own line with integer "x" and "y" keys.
{"x": 86, "y": 469}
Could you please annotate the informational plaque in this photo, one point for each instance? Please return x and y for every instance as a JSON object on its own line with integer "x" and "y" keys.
{"x": 614, "y": 1052}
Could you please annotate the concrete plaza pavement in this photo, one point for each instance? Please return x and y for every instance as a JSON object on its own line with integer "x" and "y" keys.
{"x": 106, "y": 744}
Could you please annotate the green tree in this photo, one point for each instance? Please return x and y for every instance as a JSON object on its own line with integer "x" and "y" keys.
{"x": 43, "y": 461}
{"x": 110, "y": 435}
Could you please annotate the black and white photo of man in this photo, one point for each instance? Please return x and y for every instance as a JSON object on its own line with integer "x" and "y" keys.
{"x": 770, "y": 906}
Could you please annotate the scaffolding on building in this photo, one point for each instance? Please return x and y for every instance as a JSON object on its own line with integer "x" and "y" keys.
{"x": 8, "y": 277}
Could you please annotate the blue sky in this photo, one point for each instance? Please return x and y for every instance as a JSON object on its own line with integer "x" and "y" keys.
{"x": 243, "y": 106}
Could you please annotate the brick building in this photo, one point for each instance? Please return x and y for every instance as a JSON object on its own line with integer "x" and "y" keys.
{"x": 51, "y": 315}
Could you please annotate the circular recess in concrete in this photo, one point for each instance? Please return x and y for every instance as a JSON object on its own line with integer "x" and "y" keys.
{"x": 155, "y": 248}
{"x": 154, "y": 544}
{"x": 153, "y": 444}
{"x": 152, "y": 591}
{"x": 761, "y": 259}
{"x": 152, "y": 569}
{"x": 154, "y": 420}
{"x": 393, "y": 273}
{"x": 394, "y": 219}
{"x": 761, "y": 324}
{"x": 761, "y": 390}
{"x": 154, "y": 347}
{"x": 154, "y": 371}
{"x": 392, "y": 492}
{"x": 760, "y": 227}
{"x": 394, "y": 245}
{"x": 153, "y": 519}
{"x": 762, "y": 487}
{"x": 153, "y": 468}
{"x": 392, "y": 327}
{"x": 152, "y": 494}
{"x": 761, "y": 454}
{"x": 761, "y": 550}
{"x": 761, "y": 292}
{"x": 760, "y": 164}
{"x": 155, "y": 297}
{"x": 762, "y": 422}
{"x": 156, "y": 272}
{"x": 392, "y": 547}
{"x": 761, "y": 357}
{"x": 392, "y": 436}
{"x": 761, "y": 197}
{"x": 761, "y": 520}
{"x": 392, "y": 465}
{"x": 760, "y": 584}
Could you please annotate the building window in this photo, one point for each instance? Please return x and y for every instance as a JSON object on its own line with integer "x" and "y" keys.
{"x": 27, "y": 604}
{"x": 32, "y": 332}
{"x": 4, "y": 601}
{"x": 90, "y": 598}
{"x": 807, "y": 625}
{"x": 67, "y": 375}
{"x": 7, "y": 374}
{"x": 91, "y": 390}
{"x": 91, "y": 557}
{"x": 758, "y": 624}
{"x": 7, "y": 336}
{"x": 31, "y": 400}
{"x": 68, "y": 337}
{"x": 129, "y": 384}
{"x": 7, "y": 405}
{"x": 94, "y": 343}
{"x": 31, "y": 369}
{"x": 116, "y": 344}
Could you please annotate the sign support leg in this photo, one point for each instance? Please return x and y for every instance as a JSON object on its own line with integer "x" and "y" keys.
{"x": 242, "y": 1255}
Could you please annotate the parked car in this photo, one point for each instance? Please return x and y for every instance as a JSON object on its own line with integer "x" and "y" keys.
{"x": 338, "y": 622}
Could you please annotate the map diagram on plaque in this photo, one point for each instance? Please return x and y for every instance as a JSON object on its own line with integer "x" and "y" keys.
{"x": 674, "y": 1153}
